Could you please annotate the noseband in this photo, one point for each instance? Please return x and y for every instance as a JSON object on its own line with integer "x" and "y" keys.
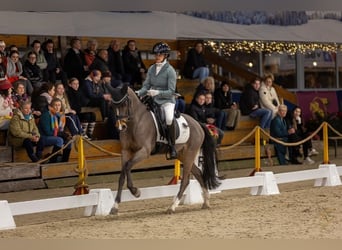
{"x": 122, "y": 119}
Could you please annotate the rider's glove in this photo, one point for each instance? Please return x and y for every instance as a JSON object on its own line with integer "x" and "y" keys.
{"x": 153, "y": 92}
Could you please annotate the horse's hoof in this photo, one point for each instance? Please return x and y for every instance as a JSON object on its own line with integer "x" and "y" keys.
{"x": 114, "y": 211}
{"x": 170, "y": 211}
{"x": 137, "y": 193}
{"x": 205, "y": 206}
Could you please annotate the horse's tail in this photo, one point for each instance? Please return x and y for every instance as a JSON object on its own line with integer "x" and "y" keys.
{"x": 209, "y": 160}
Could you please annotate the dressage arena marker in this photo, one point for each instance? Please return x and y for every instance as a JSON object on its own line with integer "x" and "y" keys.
{"x": 100, "y": 201}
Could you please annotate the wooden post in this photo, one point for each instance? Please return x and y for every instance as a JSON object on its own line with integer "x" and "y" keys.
{"x": 82, "y": 188}
{"x": 257, "y": 151}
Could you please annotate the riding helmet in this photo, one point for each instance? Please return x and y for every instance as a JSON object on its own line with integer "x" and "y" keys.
{"x": 161, "y": 48}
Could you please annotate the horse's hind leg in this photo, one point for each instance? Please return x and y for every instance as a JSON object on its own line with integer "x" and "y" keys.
{"x": 205, "y": 193}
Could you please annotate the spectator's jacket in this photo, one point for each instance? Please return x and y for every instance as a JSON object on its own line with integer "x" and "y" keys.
{"x": 21, "y": 128}
{"x": 248, "y": 99}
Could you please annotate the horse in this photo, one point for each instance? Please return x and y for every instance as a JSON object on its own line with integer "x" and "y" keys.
{"x": 138, "y": 139}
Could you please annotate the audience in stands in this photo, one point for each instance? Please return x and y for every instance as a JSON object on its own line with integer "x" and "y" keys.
{"x": 14, "y": 70}
{"x": 90, "y": 52}
{"x": 40, "y": 60}
{"x": 199, "y": 112}
{"x": 32, "y": 71}
{"x": 115, "y": 62}
{"x": 51, "y": 127}
{"x": 196, "y": 66}
{"x": 54, "y": 70}
{"x": 134, "y": 65}
{"x": 74, "y": 61}
{"x": 294, "y": 120}
{"x": 224, "y": 101}
{"x": 281, "y": 131}
{"x": 23, "y": 131}
{"x": 3, "y": 74}
{"x": 3, "y": 51}
{"x": 94, "y": 95}
{"x": 6, "y": 104}
{"x": 268, "y": 95}
{"x": 249, "y": 104}
{"x": 72, "y": 123}
{"x": 76, "y": 101}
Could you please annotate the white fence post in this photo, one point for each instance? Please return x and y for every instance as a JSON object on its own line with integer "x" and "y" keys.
{"x": 104, "y": 204}
{"x": 6, "y": 217}
{"x": 333, "y": 177}
{"x": 193, "y": 194}
{"x": 269, "y": 187}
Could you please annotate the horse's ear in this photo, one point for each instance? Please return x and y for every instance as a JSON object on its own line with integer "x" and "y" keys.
{"x": 124, "y": 89}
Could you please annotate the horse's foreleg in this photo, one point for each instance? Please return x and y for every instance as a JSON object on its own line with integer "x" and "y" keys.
{"x": 122, "y": 178}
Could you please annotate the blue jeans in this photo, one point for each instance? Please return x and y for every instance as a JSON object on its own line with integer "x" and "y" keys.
{"x": 53, "y": 141}
{"x": 201, "y": 73}
{"x": 265, "y": 117}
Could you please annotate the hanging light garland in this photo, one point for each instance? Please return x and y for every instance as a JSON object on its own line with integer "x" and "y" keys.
{"x": 227, "y": 47}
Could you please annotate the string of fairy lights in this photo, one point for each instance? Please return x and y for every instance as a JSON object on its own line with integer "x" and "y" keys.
{"x": 227, "y": 47}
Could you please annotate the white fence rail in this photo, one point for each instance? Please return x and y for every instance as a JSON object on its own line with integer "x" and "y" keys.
{"x": 100, "y": 201}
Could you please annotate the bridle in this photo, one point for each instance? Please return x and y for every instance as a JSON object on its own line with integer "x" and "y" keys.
{"x": 122, "y": 119}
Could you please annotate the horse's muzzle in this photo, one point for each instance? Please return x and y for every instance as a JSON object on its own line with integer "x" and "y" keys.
{"x": 121, "y": 124}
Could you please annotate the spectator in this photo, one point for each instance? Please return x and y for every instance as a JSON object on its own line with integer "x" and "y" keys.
{"x": 36, "y": 47}
{"x": 207, "y": 85}
{"x": 90, "y": 52}
{"x": 6, "y": 104}
{"x": 294, "y": 120}
{"x": 18, "y": 94}
{"x": 72, "y": 120}
{"x": 76, "y": 99}
{"x": 74, "y": 61}
{"x": 115, "y": 62}
{"x": 32, "y": 71}
{"x": 53, "y": 70}
{"x": 133, "y": 63}
{"x": 224, "y": 102}
{"x": 249, "y": 104}
{"x": 195, "y": 64}
{"x": 268, "y": 95}
{"x": 43, "y": 97}
{"x": 94, "y": 95}
{"x": 219, "y": 115}
{"x": 51, "y": 127}
{"x": 280, "y": 131}
{"x": 23, "y": 131}
{"x": 3, "y": 74}
{"x": 14, "y": 71}
{"x": 199, "y": 112}
{"x": 3, "y": 51}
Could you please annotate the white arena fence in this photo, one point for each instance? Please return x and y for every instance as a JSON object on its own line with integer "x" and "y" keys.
{"x": 100, "y": 201}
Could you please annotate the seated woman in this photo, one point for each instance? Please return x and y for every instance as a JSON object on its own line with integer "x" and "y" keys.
{"x": 76, "y": 99}
{"x": 72, "y": 121}
{"x": 32, "y": 71}
{"x": 219, "y": 115}
{"x": 6, "y": 104}
{"x": 268, "y": 95}
{"x": 51, "y": 127}
{"x": 224, "y": 102}
{"x": 43, "y": 97}
{"x": 94, "y": 95}
{"x": 294, "y": 120}
{"x": 23, "y": 131}
{"x": 14, "y": 71}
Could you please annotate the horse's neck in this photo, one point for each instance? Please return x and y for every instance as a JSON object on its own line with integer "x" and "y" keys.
{"x": 139, "y": 111}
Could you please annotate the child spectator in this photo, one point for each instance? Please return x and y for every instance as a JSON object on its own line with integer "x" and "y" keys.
{"x": 6, "y": 104}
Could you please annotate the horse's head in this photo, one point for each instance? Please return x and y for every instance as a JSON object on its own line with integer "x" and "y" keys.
{"x": 120, "y": 104}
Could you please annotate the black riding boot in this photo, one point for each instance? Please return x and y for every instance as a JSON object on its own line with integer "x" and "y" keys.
{"x": 66, "y": 154}
{"x": 56, "y": 158}
{"x": 171, "y": 134}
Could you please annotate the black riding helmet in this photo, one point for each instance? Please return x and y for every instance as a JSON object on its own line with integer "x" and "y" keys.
{"x": 161, "y": 48}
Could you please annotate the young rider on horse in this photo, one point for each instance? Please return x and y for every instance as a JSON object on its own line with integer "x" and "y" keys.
{"x": 160, "y": 84}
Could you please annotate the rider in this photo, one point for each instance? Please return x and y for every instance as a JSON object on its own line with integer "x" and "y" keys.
{"x": 160, "y": 84}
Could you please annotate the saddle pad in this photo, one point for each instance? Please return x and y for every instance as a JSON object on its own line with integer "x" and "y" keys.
{"x": 183, "y": 130}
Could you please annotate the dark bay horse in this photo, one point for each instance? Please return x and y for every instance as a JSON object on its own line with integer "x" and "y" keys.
{"x": 138, "y": 138}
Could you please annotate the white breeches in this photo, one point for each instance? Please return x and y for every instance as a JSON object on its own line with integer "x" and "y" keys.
{"x": 169, "y": 109}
